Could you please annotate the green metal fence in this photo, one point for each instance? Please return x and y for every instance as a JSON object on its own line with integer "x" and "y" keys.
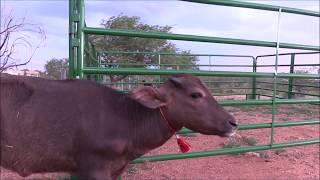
{"x": 292, "y": 65}
{"x": 83, "y": 54}
{"x": 255, "y": 89}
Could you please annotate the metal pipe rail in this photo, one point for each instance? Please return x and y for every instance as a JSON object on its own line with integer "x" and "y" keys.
{"x": 231, "y": 94}
{"x": 265, "y": 125}
{"x": 270, "y": 65}
{"x": 285, "y": 54}
{"x": 267, "y": 95}
{"x": 236, "y": 150}
{"x": 175, "y": 54}
{"x": 196, "y": 65}
{"x": 211, "y": 65}
{"x": 267, "y": 102}
{"x": 136, "y": 71}
{"x": 183, "y": 37}
{"x": 226, "y": 81}
{"x": 125, "y": 83}
{"x": 229, "y": 88}
{"x": 250, "y": 5}
{"x": 294, "y": 92}
{"x": 217, "y": 55}
{"x": 264, "y": 102}
{"x": 304, "y": 85}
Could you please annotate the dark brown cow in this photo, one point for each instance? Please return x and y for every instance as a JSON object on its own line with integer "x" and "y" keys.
{"x": 93, "y": 131}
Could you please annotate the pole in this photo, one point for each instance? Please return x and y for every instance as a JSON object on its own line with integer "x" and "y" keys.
{"x": 290, "y": 85}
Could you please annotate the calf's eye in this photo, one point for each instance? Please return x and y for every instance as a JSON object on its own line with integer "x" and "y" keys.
{"x": 196, "y": 95}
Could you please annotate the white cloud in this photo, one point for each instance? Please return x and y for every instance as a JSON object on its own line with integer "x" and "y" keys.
{"x": 94, "y": 19}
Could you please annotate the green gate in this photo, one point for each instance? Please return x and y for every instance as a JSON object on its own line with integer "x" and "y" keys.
{"x": 82, "y": 52}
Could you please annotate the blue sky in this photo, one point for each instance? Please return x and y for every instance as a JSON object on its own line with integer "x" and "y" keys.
{"x": 184, "y": 17}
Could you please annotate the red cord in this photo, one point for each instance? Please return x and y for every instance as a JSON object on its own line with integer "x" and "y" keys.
{"x": 183, "y": 145}
{"x": 165, "y": 119}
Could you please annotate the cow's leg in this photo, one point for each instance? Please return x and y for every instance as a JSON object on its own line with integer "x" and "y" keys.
{"x": 93, "y": 167}
{"x": 117, "y": 173}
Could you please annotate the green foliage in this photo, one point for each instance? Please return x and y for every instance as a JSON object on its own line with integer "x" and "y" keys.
{"x": 131, "y": 44}
{"x": 232, "y": 142}
{"x": 56, "y": 68}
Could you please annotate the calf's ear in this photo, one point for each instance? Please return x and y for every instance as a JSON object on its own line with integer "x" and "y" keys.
{"x": 148, "y": 97}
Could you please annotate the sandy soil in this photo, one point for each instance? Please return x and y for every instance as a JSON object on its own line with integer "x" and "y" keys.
{"x": 289, "y": 163}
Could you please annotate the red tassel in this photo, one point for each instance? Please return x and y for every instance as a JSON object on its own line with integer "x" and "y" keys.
{"x": 184, "y": 146}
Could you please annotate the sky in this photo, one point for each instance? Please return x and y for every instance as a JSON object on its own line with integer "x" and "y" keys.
{"x": 185, "y": 18}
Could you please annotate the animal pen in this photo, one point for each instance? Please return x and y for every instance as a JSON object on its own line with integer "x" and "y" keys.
{"x": 86, "y": 62}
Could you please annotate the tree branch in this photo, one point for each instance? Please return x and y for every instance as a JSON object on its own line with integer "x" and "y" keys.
{"x": 18, "y": 29}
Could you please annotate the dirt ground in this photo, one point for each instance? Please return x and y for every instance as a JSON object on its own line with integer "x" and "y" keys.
{"x": 289, "y": 163}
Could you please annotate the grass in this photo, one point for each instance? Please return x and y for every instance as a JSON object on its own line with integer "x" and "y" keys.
{"x": 239, "y": 141}
{"x": 251, "y": 141}
{"x": 231, "y": 143}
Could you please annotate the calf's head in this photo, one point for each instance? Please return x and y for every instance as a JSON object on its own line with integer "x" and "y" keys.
{"x": 187, "y": 102}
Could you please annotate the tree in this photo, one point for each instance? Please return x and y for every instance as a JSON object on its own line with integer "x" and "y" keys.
{"x": 56, "y": 68}
{"x": 132, "y": 44}
{"x": 17, "y": 35}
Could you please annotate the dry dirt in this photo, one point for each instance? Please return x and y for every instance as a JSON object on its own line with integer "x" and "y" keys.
{"x": 289, "y": 163}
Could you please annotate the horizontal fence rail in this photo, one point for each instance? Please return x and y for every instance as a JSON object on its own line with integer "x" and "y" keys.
{"x": 173, "y": 54}
{"x": 183, "y": 37}
{"x": 286, "y": 54}
{"x": 235, "y": 150}
{"x": 303, "y": 85}
{"x": 250, "y": 5}
{"x": 266, "y": 125}
{"x": 142, "y": 71}
{"x": 238, "y": 149}
{"x": 294, "y": 92}
{"x": 267, "y": 102}
{"x": 270, "y": 65}
{"x": 195, "y": 65}
{"x": 140, "y": 82}
{"x": 270, "y": 95}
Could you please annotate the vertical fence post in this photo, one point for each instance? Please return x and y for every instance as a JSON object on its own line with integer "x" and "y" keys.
{"x": 71, "y": 38}
{"x": 80, "y": 33}
{"x": 159, "y": 62}
{"x": 254, "y": 81}
{"x": 99, "y": 65}
{"x": 87, "y": 60}
{"x": 274, "y": 93}
{"x": 209, "y": 63}
{"x": 290, "y": 85}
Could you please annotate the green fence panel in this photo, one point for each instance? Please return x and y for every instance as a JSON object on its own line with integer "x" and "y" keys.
{"x": 78, "y": 39}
